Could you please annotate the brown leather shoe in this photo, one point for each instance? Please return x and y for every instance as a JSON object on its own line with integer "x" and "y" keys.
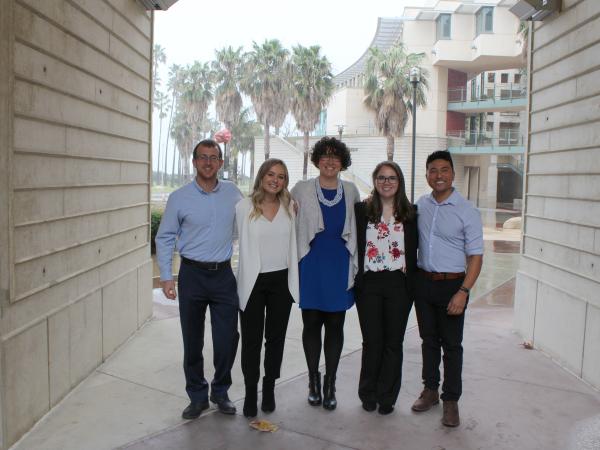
{"x": 450, "y": 417}
{"x": 426, "y": 400}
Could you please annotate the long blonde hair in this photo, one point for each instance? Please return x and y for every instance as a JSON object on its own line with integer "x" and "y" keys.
{"x": 258, "y": 193}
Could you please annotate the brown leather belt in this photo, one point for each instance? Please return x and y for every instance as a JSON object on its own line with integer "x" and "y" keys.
{"x": 438, "y": 276}
{"x": 206, "y": 265}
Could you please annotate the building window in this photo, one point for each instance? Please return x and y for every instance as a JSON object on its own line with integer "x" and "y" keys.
{"x": 504, "y": 78}
{"x": 491, "y": 77}
{"x": 443, "y": 26}
{"x": 517, "y": 78}
{"x": 484, "y": 20}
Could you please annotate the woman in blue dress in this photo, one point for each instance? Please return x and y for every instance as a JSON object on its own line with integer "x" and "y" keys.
{"x": 326, "y": 236}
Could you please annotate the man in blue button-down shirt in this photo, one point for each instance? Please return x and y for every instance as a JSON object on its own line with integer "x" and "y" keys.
{"x": 449, "y": 261}
{"x": 199, "y": 221}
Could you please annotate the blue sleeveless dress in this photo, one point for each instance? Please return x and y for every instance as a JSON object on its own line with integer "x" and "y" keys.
{"x": 324, "y": 269}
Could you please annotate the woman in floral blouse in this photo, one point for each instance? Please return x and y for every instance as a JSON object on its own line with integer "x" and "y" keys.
{"x": 387, "y": 261}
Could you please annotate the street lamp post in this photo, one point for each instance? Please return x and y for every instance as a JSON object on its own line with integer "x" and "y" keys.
{"x": 415, "y": 78}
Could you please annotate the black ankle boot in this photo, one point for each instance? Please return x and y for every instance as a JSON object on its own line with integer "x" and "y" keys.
{"x": 314, "y": 388}
{"x": 268, "y": 395}
{"x": 250, "y": 409}
{"x": 329, "y": 400}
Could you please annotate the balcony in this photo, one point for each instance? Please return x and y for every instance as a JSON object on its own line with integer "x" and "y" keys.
{"x": 498, "y": 98}
{"x": 508, "y": 142}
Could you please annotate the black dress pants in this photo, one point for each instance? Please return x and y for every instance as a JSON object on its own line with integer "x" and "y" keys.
{"x": 200, "y": 289}
{"x": 439, "y": 331}
{"x": 383, "y": 310}
{"x": 268, "y": 311}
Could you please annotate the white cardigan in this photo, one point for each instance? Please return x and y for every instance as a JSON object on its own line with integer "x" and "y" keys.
{"x": 249, "y": 262}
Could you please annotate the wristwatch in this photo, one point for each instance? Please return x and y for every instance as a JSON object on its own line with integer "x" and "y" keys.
{"x": 465, "y": 289}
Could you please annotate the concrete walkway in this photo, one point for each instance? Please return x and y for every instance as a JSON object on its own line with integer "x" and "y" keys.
{"x": 513, "y": 398}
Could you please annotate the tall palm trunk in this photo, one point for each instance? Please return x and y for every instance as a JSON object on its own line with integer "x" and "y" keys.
{"x": 390, "y": 147}
{"x": 267, "y": 141}
{"x": 164, "y": 180}
{"x": 252, "y": 150}
{"x": 157, "y": 179}
{"x": 173, "y": 168}
{"x": 305, "y": 164}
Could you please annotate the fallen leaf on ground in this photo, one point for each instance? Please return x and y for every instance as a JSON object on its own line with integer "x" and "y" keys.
{"x": 527, "y": 345}
{"x": 263, "y": 425}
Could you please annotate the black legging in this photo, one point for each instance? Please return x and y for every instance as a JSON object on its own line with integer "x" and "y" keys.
{"x": 334, "y": 338}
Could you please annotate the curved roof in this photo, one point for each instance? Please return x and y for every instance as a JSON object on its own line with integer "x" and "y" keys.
{"x": 389, "y": 30}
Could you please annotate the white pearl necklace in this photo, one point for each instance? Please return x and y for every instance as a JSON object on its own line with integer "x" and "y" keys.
{"x": 335, "y": 200}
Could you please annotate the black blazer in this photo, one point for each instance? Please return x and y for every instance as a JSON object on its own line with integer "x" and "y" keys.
{"x": 411, "y": 238}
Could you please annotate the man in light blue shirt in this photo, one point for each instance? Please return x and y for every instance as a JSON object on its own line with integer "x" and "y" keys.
{"x": 449, "y": 260}
{"x": 198, "y": 221}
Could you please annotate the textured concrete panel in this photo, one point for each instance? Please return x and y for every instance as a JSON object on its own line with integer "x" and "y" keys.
{"x": 560, "y": 326}
{"x": 144, "y": 292}
{"x": 119, "y": 311}
{"x": 56, "y": 267}
{"x": 525, "y": 302}
{"x": 58, "y": 358}
{"x": 73, "y": 20}
{"x": 591, "y": 350}
{"x": 39, "y": 102}
{"x": 86, "y": 337}
{"x": 37, "y": 205}
{"x": 42, "y": 34}
{"x": 87, "y": 200}
{"x": 26, "y": 395}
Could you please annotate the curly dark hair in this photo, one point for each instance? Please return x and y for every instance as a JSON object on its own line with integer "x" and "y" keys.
{"x": 331, "y": 146}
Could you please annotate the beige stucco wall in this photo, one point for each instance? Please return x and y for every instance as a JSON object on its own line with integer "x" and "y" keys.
{"x": 75, "y": 270}
{"x": 557, "y": 305}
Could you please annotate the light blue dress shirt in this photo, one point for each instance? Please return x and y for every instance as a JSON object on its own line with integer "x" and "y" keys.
{"x": 448, "y": 232}
{"x": 200, "y": 224}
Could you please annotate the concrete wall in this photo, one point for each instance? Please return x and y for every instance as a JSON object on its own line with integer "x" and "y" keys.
{"x": 557, "y": 305}
{"x": 75, "y": 270}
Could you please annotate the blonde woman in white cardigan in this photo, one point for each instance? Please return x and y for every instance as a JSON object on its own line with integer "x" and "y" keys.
{"x": 267, "y": 279}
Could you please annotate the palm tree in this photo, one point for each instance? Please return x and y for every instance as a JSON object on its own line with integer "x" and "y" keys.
{"x": 388, "y": 91}
{"x": 312, "y": 86}
{"x": 159, "y": 56}
{"x": 243, "y": 131}
{"x": 175, "y": 83}
{"x": 266, "y": 81}
{"x": 227, "y": 68}
{"x": 163, "y": 109}
{"x": 197, "y": 92}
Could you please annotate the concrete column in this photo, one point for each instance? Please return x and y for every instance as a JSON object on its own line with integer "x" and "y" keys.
{"x": 492, "y": 183}
{"x": 6, "y": 100}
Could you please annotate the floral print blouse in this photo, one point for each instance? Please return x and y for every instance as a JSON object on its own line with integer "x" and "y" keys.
{"x": 385, "y": 246}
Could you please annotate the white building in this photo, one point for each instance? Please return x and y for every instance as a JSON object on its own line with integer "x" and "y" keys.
{"x": 473, "y": 53}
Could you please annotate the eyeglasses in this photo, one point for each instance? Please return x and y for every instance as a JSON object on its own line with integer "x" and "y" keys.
{"x": 211, "y": 158}
{"x": 392, "y": 180}
{"x": 331, "y": 158}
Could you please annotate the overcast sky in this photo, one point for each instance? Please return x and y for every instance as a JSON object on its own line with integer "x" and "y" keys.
{"x": 192, "y": 29}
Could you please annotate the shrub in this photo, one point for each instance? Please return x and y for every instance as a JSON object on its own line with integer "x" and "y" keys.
{"x": 155, "y": 218}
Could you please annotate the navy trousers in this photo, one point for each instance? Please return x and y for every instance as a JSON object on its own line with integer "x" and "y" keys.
{"x": 200, "y": 289}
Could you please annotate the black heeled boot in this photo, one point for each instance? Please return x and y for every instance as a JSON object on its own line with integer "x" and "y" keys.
{"x": 314, "y": 388}
{"x": 329, "y": 400}
{"x": 250, "y": 409}
{"x": 268, "y": 395}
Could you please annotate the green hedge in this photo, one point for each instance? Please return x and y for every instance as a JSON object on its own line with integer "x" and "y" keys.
{"x": 155, "y": 218}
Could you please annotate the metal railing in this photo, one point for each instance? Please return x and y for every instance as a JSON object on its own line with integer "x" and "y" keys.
{"x": 497, "y": 92}
{"x": 506, "y": 138}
